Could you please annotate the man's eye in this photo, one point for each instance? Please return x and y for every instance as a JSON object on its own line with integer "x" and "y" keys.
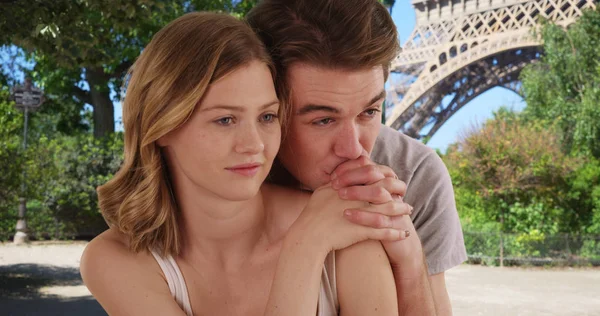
{"x": 225, "y": 121}
{"x": 371, "y": 112}
{"x": 324, "y": 121}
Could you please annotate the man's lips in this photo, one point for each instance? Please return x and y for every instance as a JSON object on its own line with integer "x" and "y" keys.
{"x": 248, "y": 169}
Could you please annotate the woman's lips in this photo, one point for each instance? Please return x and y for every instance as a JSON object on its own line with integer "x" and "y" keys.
{"x": 247, "y": 170}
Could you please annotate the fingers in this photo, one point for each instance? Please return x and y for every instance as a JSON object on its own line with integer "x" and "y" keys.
{"x": 351, "y": 164}
{"x": 378, "y": 216}
{"x": 391, "y": 208}
{"x": 380, "y": 192}
{"x": 361, "y": 175}
{"x": 387, "y": 234}
{"x": 397, "y": 188}
{"x": 358, "y": 176}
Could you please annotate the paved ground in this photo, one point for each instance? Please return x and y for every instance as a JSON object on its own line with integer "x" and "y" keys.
{"x": 43, "y": 279}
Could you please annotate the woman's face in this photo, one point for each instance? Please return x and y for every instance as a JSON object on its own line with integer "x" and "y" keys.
{"x": 227, "y": 146}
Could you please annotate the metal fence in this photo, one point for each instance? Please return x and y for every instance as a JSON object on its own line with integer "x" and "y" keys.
{"x": 532, "y": 249}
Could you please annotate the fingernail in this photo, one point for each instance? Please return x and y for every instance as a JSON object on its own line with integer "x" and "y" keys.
{"x": 348, "y": 213}
{"x": 406, "y": 233}
{"x": 333, "y": 176}
{"x": 410, "y": 209}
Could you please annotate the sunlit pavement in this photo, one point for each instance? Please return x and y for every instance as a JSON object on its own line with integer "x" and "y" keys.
{"x": 480, "y": 290}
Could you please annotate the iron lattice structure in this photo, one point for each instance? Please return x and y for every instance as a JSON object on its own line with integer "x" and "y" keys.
{"x": 462, "y": 48}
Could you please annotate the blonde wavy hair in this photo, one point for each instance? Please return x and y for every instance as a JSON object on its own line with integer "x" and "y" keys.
{"x": 164, "y": 86}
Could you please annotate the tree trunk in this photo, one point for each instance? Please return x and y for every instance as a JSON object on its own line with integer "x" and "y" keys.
{"x": 104, "y": 110}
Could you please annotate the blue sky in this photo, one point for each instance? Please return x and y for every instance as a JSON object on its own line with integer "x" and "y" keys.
{"x": 476, "y": 111}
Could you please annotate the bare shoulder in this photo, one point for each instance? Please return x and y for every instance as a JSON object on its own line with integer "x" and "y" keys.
{"x": 107, "y": 259}
{"x": 109, "y": 240}
{"x": 107, "y": 249}
{"x": 369, "y": 253}
{"x": 124, "y": 282}
{"x": 365, "y": 280}
{"x": 370, "y": 247}
{"x": 285, "y": 203}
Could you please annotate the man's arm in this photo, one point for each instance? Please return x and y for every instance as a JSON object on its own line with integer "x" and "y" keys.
{"x": 411, "y": 302}
{"x": 440, "y": 294}
{"x": 413, "y": 284}
{"x": 363, "y": 181}
{"x": 436, "y": 221}
{"x": 416, "y": 295}
{"x": 431, "y": 194}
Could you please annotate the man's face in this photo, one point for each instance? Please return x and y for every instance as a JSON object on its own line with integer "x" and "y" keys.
{"x": 336, "y": 116}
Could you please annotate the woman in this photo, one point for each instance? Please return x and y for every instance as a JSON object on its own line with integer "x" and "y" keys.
{"x": 193, "y": 228}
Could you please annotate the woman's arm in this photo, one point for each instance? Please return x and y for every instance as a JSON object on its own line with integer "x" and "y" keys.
{"x": 365, "y": 283}
{"x": 295, "y": 287}
{"x": 125, "y": 283}
{"x": 320, "y": 229}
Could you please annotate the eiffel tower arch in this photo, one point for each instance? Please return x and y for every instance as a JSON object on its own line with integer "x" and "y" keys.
{"x": 461, "y": 48}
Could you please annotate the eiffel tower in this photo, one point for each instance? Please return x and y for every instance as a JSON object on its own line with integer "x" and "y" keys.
{"x": 461, "y": 48}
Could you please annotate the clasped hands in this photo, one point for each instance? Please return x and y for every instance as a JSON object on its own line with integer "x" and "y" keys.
{"x": 363, "y": 180}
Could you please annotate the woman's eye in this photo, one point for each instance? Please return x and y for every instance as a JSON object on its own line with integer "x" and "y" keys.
{"x": 225, "y": 121}
{"x": 268, "y": 117}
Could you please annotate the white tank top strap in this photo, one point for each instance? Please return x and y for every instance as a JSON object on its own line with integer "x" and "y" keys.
{"x": 175, "y": 280}
{"x": 328, "y": 304}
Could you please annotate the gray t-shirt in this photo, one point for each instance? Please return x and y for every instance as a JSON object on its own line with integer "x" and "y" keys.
{"x": 429, "y": 191}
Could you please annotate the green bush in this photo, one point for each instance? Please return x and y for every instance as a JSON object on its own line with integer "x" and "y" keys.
{"x": 62, "y": 176}
{"x": 529, "y": 244}
{"x": 11, "y": 163}
{"x": 590, "y": 249}
{"x": 83, "y": 164}
{"x": 482, "y": 242}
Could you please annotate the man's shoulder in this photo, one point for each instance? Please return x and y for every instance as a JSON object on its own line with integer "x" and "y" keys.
{"x": 399, "y": 151}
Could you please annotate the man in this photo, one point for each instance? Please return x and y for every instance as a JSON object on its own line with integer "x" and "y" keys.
{"x": 332, "y": 59}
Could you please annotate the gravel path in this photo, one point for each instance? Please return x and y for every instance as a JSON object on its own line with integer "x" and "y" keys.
{"x": 43, "y": 279}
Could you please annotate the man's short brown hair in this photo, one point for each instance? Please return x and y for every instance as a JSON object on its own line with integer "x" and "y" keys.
{"x": 333, "y": 34}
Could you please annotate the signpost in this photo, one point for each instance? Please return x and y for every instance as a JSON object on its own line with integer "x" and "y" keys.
{"x": 27, "y": 99}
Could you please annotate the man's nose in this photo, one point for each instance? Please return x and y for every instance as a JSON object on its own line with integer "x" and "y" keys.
{"x": 348, "y": 144}
{"x": 249, "y": 140}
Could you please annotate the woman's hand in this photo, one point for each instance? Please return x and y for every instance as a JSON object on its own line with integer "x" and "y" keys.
{"x": 322, "y": 223}
{"x": 363, "y": 180}
{"x": 321, "y": 228}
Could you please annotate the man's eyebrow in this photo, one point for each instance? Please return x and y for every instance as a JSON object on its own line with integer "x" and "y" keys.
{"x": 378, "y": 97}
{"x": 235, "y": 107}
{"x": 325, "y": 108}
{"x": 316, "y": 108}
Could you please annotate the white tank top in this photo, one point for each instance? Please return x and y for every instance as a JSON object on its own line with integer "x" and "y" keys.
{"x": 175, "y": 280}
{"x": 328, "y": 304}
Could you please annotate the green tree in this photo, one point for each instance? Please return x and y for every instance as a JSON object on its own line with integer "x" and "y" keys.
{"x": 11, "y": 125}
{"x": 514, "y": 172}
{"x": 564, "y": 86}
{"x": 82, "y": 48}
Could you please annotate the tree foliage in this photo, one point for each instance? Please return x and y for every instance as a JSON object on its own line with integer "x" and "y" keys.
{"x": 11, "y": 124}
{"x": 515, "y": 171}
{"x": 564, "y": 86}
{"x": 82, "y": 48}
